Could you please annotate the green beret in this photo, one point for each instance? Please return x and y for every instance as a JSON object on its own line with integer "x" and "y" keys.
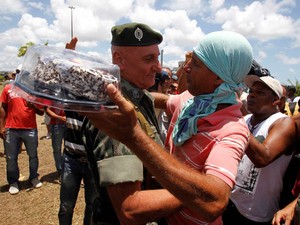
{"x": 134, "y": 34}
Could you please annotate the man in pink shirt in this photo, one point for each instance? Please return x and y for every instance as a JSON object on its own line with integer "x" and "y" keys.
{"x": 207, "y": 135}
{"x": 17, "y": 125}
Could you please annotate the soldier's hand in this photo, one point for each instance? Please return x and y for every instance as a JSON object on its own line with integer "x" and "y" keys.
{"x": 117, "y": 123}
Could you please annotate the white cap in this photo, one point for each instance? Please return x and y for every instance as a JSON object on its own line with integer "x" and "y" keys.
{"x": 272, "y": 83}
{"x": 296, "y": 99}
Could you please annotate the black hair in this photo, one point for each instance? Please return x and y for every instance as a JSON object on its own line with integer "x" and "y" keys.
{"x": 159, "y": 79}
{"x": 258, "y": 70}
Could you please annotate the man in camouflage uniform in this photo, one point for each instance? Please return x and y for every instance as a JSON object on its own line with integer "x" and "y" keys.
{"x": 118, "y": 172}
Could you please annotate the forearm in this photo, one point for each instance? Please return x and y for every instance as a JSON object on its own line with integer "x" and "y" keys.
{"x": 291, "y": 207}
{"x": 258, "y": 152}
{"x": 160, "y": 100}
{"x": 53, "y": 115}
{"x": 280, "y": 140}
{"x": 146, "y": 206}
{"x": 205, "y": 194}
{"x": 285, "y": 215}
{"x": 50, "y": 113}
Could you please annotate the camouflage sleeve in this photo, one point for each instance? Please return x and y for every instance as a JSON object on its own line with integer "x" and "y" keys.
{"x": 114, "y": 161}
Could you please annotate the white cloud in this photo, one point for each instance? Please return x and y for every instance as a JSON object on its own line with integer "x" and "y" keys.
{"x": 260, "y": 20}
{"x": 33, "y": 22}
{"x": 108, "y": 10}
{"x": 216, "y": 4}
{"x": 192, "y": 7}
{"x": 284, "y": 6}
{"x": 36, "y": 5}
{"x": 12, "y": 6}
{"x": 261, "y": 56}
{"x": 91, "y": 21}
{"x": 105, "y": 55}
{"x": 288, "y": 60}
{"x": 35, "y": 29}
{"x": 296, "y": 34}
{"x": 8, "y": 58}
{"x": 179, "y": 31}
{"x": 4, "y": 19}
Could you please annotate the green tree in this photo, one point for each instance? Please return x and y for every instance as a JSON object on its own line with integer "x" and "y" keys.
{"x": 297, "y": 88}
{"x": 23, "y": 49}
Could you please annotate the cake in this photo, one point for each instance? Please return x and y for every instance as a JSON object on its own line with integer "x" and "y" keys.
{"x": 74, "y": 79}
{"x": 66, "y": 79}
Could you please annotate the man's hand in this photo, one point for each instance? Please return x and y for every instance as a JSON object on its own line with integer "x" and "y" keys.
{"x": 30, "y": 105}
{"x": 285, "y": 215}
{"x": 118, "y": 123}
{"x": 72, "y": 44}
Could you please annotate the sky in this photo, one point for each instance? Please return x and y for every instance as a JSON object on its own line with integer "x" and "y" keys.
{"x": 271, "y": 26}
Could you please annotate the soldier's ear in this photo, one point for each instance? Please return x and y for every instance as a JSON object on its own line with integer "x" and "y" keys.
{"x": 117, "y": 58}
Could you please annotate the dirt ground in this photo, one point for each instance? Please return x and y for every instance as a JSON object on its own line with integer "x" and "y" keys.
{"x": 35, "y": 206}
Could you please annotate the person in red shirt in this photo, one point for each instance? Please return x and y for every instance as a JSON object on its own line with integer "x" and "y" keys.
{"x": 17, "y": 125}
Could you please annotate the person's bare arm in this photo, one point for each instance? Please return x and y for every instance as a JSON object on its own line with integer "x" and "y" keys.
{"x": 207, "y": 195}
{"x": 280, "y": 140}
{"x": 285, "y": 215}
{"x": 134, "y": 206}
{"x": 160, "y": 100}
{"x": 54, "y": 115}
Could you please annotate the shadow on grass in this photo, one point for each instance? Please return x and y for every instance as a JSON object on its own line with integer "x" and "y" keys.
{"x": 53, "y": 177}
{"x": 27, "y": 186}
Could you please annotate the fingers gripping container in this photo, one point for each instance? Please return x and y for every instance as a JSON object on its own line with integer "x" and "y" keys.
{"x": 66, "y": 79}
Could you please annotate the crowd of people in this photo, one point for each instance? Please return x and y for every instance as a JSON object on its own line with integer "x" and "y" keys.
{"x": 184, "y": 148}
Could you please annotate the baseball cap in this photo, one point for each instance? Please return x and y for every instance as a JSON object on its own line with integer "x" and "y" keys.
{"x": 271, "y": 82}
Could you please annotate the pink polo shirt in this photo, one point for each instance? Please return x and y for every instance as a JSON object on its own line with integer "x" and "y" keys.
{"x": 216, "y": 149}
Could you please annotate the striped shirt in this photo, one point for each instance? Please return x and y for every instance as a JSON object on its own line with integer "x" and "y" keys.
{"x": 73, "y": 140}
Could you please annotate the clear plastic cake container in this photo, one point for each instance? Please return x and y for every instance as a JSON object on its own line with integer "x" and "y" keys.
{"x": 66, "y": 79}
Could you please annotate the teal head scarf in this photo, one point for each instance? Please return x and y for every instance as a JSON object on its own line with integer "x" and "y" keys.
{"x": 229, "y": 55}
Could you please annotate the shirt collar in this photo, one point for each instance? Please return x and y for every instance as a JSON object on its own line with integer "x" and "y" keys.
{"x": 135, "y": 94}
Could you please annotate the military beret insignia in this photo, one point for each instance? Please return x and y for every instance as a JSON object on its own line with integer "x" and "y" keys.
{"x": 134, "y": 34}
